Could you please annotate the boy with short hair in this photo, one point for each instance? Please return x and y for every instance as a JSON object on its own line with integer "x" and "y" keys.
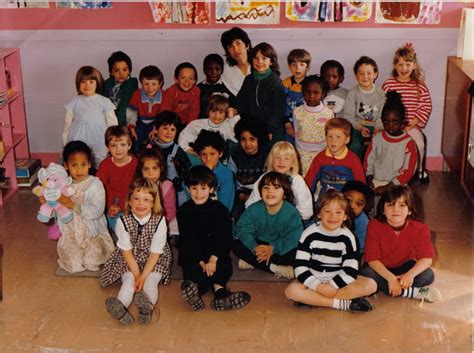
{"x": 299, "y": 61}
{"x": 332, "y": 72}
{"x": 145, "y": 105}
{"x": 213, "y": 67}
{"x": 183, "y": 96}
{"x": 363, "y": 105}
{"x": 116, "y": 171}
{"x": 336, "y": 165}
{"x": 205, "y": 241}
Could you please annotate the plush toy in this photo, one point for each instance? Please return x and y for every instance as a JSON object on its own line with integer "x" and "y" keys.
{"x": 54, "y": 183}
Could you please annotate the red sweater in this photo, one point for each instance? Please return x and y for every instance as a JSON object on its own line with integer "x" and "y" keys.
{"x": 413, "y": 242}
{"x": 185, "y": 104}
{"x": 116, "y": 180}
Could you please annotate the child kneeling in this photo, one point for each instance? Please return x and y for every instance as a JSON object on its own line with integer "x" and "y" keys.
{"x": 204, "y": 245}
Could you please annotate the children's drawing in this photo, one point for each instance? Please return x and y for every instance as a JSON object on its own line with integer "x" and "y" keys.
{"x": 328, "y": 11}
{"x": 180, "y": 11}
{"x": 30, "y": 4}
{"x": 413, "y": 12}
{"x": 81, "y": 4}
{"x": 247, "y": 12}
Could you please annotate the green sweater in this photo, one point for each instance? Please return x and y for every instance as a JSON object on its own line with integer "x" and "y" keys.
{"x": 281, "y": 230}
{"x": 122, "y": 98}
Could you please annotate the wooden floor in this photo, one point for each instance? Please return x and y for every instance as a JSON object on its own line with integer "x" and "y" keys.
{"x": 44, "y": 313}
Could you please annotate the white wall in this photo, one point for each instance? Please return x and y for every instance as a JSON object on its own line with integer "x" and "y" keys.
{"x": 50, "y": 60}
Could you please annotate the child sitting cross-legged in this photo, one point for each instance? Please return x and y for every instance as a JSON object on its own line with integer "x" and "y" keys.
{"x": 204, "y": 245}
{"x": 267, "y": 233}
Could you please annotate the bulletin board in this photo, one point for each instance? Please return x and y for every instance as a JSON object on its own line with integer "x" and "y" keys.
{"x": 139, "y": 15}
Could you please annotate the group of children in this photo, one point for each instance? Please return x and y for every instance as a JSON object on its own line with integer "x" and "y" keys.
{"x": 281, "y": 173}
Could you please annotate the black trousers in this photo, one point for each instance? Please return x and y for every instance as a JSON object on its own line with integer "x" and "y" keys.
{"x": 242, "y": 252}
{"x": 193, "y": 272}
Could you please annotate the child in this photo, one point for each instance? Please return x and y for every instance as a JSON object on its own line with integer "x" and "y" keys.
{"x": 262, "y": 96}
{"x": 332, "y": 72}
{"x": 204, "y": 245}
{"x": 166, "y": 131}
{"x": 142, "y": 258}
{"x": 336, "y": 165}
{"x": 116, "y": 171}
{"x": 89, "y": 114}
{"x": 299, "y": 61}
{"x": 267, "y": 233}
{"x": 283, "y": 159}
{"x": 310, "y": 119}
{"x": 151, "y": 166}
{"x": 326, "y": 263}
{"x": 120, "y": 86}
{"x": 145, "y": 105}
{"x": 391, "y": 157}
{"x": 398, "y": 250}
{"x": 85, "y": 243}
{"x": 217, "y": 121}
{"x": 408, "y": 80}
{"x": 210, "y": 146}
{"x": 213, "y": 67}
{"x": 359, "y": 196}
{"x": 183, "y": 97}
{"x": 247, "y": 161}
{"x": 363, "y": 105}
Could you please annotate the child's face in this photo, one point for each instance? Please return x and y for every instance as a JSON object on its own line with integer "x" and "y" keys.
{"x": 119, "y": 147}
{"x": 78, "y": 166}
{"x": 299, "y": 70}
{"x": 313, "y": 94}
{"x": 273, "y": 195}
{"x": 213, "y": 72}
{"x": 186, "y": 79}
{"x": 151, "y": 170}
{"x": 200, "y": 193}
{"x": 392, "y": 123}
{"x": 261, "y": 63}
{"x": 396, "y": 212}
{"x": 332, "y": 215}
{"x": 210, "y": 157}
{"x": 356, "y": 200}
{"x": 151, "y": 86}
{"x": 333, "y": 78}
{"x": 217, "y": 116}
{"x": 404, "y": 69}
{"x": 282, "y": 163}
{"x": 88, "y": 87}
{"x": 249, "y": 143}
{"x": 141, "y": 202}
{"x": 166, "y": 133}
{"x": 120, "y": 71}
{"x": 366, "y": 76}
{"x": 336, "y": 140}
{"x": 238, "y": 51}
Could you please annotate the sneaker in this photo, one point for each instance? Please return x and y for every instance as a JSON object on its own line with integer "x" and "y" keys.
{"x": 190, "y": 293}
{"x": 424, "y": 177}
{"x": 360, "y": 304}
{"x": 116, "y": 309}
{"x": 281, "y": 271}
{"x": 145, "y": 308}
{"x": 227, "y": 300}
{"x": 430, "y": 294}
{"x": 245, "y": 265}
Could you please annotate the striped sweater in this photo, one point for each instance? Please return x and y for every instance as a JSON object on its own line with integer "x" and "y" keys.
{"x": 320, "y": 251}
{"x": 415, "y": 97}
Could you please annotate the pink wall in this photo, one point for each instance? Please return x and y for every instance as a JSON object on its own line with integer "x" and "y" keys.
{"x": 137, "y": 15}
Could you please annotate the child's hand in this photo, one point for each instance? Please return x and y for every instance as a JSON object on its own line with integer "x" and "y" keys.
{"x": 113, "y": 210}
{"x": 394, "y": 287}
{"x": 66, "y": 201}
{"x": 406, "y": 280}
{"x": 210, "y": 268}
{"x": 243, "y": 197}
{"x": 264, "y": 253}
{"x": 133, "y": 133}
{"x": 326, "y": 290}
{"x": 191, "y": 150}
{"x": 365, "y": 132}
{"x": 411, "y": 124}
{"x": 139, "y": 281}
{"x": 42, "y": 200}
{"x": 290, "y": 131}
{"x": 231, "y": 112}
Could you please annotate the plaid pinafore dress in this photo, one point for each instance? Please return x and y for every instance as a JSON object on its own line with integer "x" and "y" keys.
{"x": 140, "y": 237}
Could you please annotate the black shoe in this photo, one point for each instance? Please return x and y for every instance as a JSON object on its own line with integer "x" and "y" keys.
{"x": 360, "y": 304}
{"x": 424, "y": 177}
{"x": 302, "y": 305}
{"x": 190, "y": 293}
{"x": 227, "y": 300}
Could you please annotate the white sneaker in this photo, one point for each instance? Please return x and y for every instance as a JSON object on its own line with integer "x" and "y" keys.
{"x": 244, "y": 265}
{"x": 430, "y": 294}
{"x": 282, "y": 271}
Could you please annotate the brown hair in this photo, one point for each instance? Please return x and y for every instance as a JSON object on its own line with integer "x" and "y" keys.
{"x": 154, "y": 153}
{"x": 300, "y": 55}
{"x": 217, "y": 102}
{"x": 392, "y": 195}
{"x": 117, "y": 131}
{"x": 89, "y": 73}
{"x": 278, "y": 179}
{"x": 338, "y": 123}
{"x": 269, "y": 52}
{"x": 407, "y": 53}
{"x": 332, "y": 195}
{"x": 145, "y": 185}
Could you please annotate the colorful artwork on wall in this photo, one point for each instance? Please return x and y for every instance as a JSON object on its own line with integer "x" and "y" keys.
{"x": 412, "y": 12}
{"x": 81, "y": 4}
{"x": 247, "y": 12}
{"x": 329, "y": 11}
{"x": 27, "y": 4}
{"x": 187, "y": 12}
